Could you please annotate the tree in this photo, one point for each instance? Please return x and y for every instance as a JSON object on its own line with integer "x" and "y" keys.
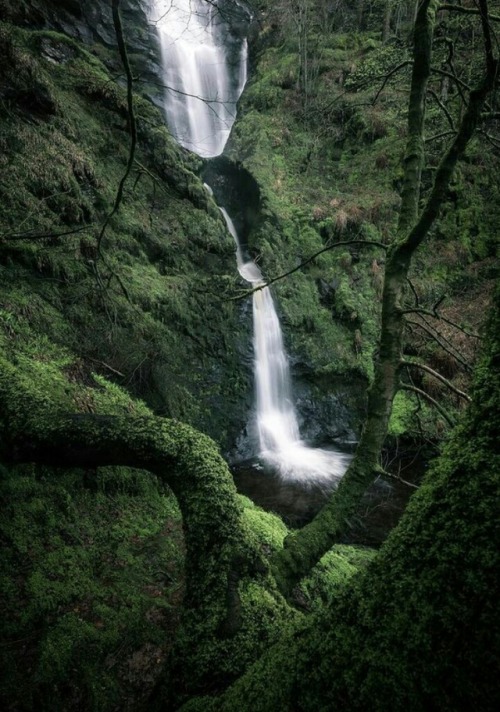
{"x": 418, "y": 630}
{"x": 307, "y": 546}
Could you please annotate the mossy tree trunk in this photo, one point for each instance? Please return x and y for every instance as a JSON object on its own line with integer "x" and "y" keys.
{"x": 217, "y": 548}
{"x": 419, "y": 629}
{"x": 304, "y": 548}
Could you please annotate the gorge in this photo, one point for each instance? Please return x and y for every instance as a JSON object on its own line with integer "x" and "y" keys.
{"x": 134, "y": 573}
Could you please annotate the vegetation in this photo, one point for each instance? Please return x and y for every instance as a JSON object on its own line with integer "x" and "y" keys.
{"x": 133, "y": 574}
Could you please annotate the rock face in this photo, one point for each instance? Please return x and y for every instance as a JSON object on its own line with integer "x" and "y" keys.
{"x": 91, "y": 22}
{"x": 328, "y": 409}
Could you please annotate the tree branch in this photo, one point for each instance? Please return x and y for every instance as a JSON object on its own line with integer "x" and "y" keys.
{"x": 366, "y": 243}
{"x": 435, "y": 314}
{"x": 115, "y": 5}
{"x": 14, "y": 237}
{"x": 427, "y": 369}
{"x": 443, "y": 109}
{"x": 388, "y": 76}
{"x": 437, "y": 338}
{"x": 431, "y": 400}
{"x": 34, "y": 428}
{"x": 466, "y": 11}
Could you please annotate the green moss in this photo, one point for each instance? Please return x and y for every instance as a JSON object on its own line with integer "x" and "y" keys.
{"x": 332, "y": 573}
{"x": 88, "y": 600}
{"x": 167, "y": 246}
{"x": 266, "y": 529}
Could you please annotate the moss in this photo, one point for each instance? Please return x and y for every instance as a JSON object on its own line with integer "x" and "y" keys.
{"x": 167, "y": 245}
{"x": 424, "y": 611}
{"x": 232, "y": 608}
{"x": 85, "y": 597}
{"x": 267, "y": 529}
{"x": 332, "y": 573}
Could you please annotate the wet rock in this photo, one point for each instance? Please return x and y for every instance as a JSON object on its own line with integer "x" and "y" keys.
{"x": 236, "y": 190}
{"x": 56, "y": 52}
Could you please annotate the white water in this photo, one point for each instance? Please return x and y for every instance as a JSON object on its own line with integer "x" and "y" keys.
{"x": 202, "y": 78}
{"x": 277, "y": 427}
{"x": 204, "y": 87}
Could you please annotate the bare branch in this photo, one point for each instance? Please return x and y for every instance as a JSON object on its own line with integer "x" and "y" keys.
{"x": 439, "y": 338}
{"x": 430, "y": 399}
{"x": 14, "y": 237}
{"x": 384, "y": 473}
{"x": 438, "y": 376}
{"x": 131, "y": 117}
{"x": 444, "y": 134}
{"x": 459, "y": 82}
{"x": 367, "y": 243}
{"x": 388, "y": 76}
{"x": 106, "y": 365}
{"x": 466, "y": 11}
{"x": 495, "y": 142}
{"x": 443, "y": 109}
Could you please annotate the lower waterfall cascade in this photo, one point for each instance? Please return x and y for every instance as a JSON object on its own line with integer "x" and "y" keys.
{"x": 278, "y": 431}
{"x": 203, "y": 85}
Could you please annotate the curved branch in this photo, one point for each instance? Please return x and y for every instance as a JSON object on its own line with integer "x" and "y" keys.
{"x": 388, "y": 76}
{"x": 443, "y": 109}
{"x": 445, "y": 381}
{"x": 32, "y": 430}
{"x": 431, "y": 400}
{"x": 367, "y": 243}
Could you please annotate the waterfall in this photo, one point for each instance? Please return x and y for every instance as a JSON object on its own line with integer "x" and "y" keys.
{"x": 204, "y": 74}
{"x": 280, "y": 445}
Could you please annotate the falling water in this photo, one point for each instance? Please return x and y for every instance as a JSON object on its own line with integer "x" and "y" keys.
{"x": 203, "y": 73}
{"x": 203, "y": 86}
{"x": 278, "y": 431}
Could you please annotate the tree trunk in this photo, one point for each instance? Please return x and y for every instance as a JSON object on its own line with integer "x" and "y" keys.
{"x": 217, "y": 547}
{"x": 386, "y": 29}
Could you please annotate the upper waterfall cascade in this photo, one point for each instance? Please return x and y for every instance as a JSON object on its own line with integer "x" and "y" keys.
{"x": 203, "y": 73}
{"x": 204, "y": 83}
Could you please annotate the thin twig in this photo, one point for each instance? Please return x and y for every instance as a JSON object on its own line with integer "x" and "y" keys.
{"x": 466, "y": 11}
{"x": 436, "y": 315}
{"x": 443, "y": 109}
{"x": 431, "y": 400}
{"x": 366, "y": 243}
{"x": 14, "y": 237}
{"x": 106, "y": 365}
{"x": 131, "y": 116}
{"x": 388, "y": 76}
{"x": 438, "y": 376}
{"x": 437, "y": 338}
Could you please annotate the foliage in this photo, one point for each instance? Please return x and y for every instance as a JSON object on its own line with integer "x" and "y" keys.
{"x": 332, "y": 172}
{"x": 95, "y": 563}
